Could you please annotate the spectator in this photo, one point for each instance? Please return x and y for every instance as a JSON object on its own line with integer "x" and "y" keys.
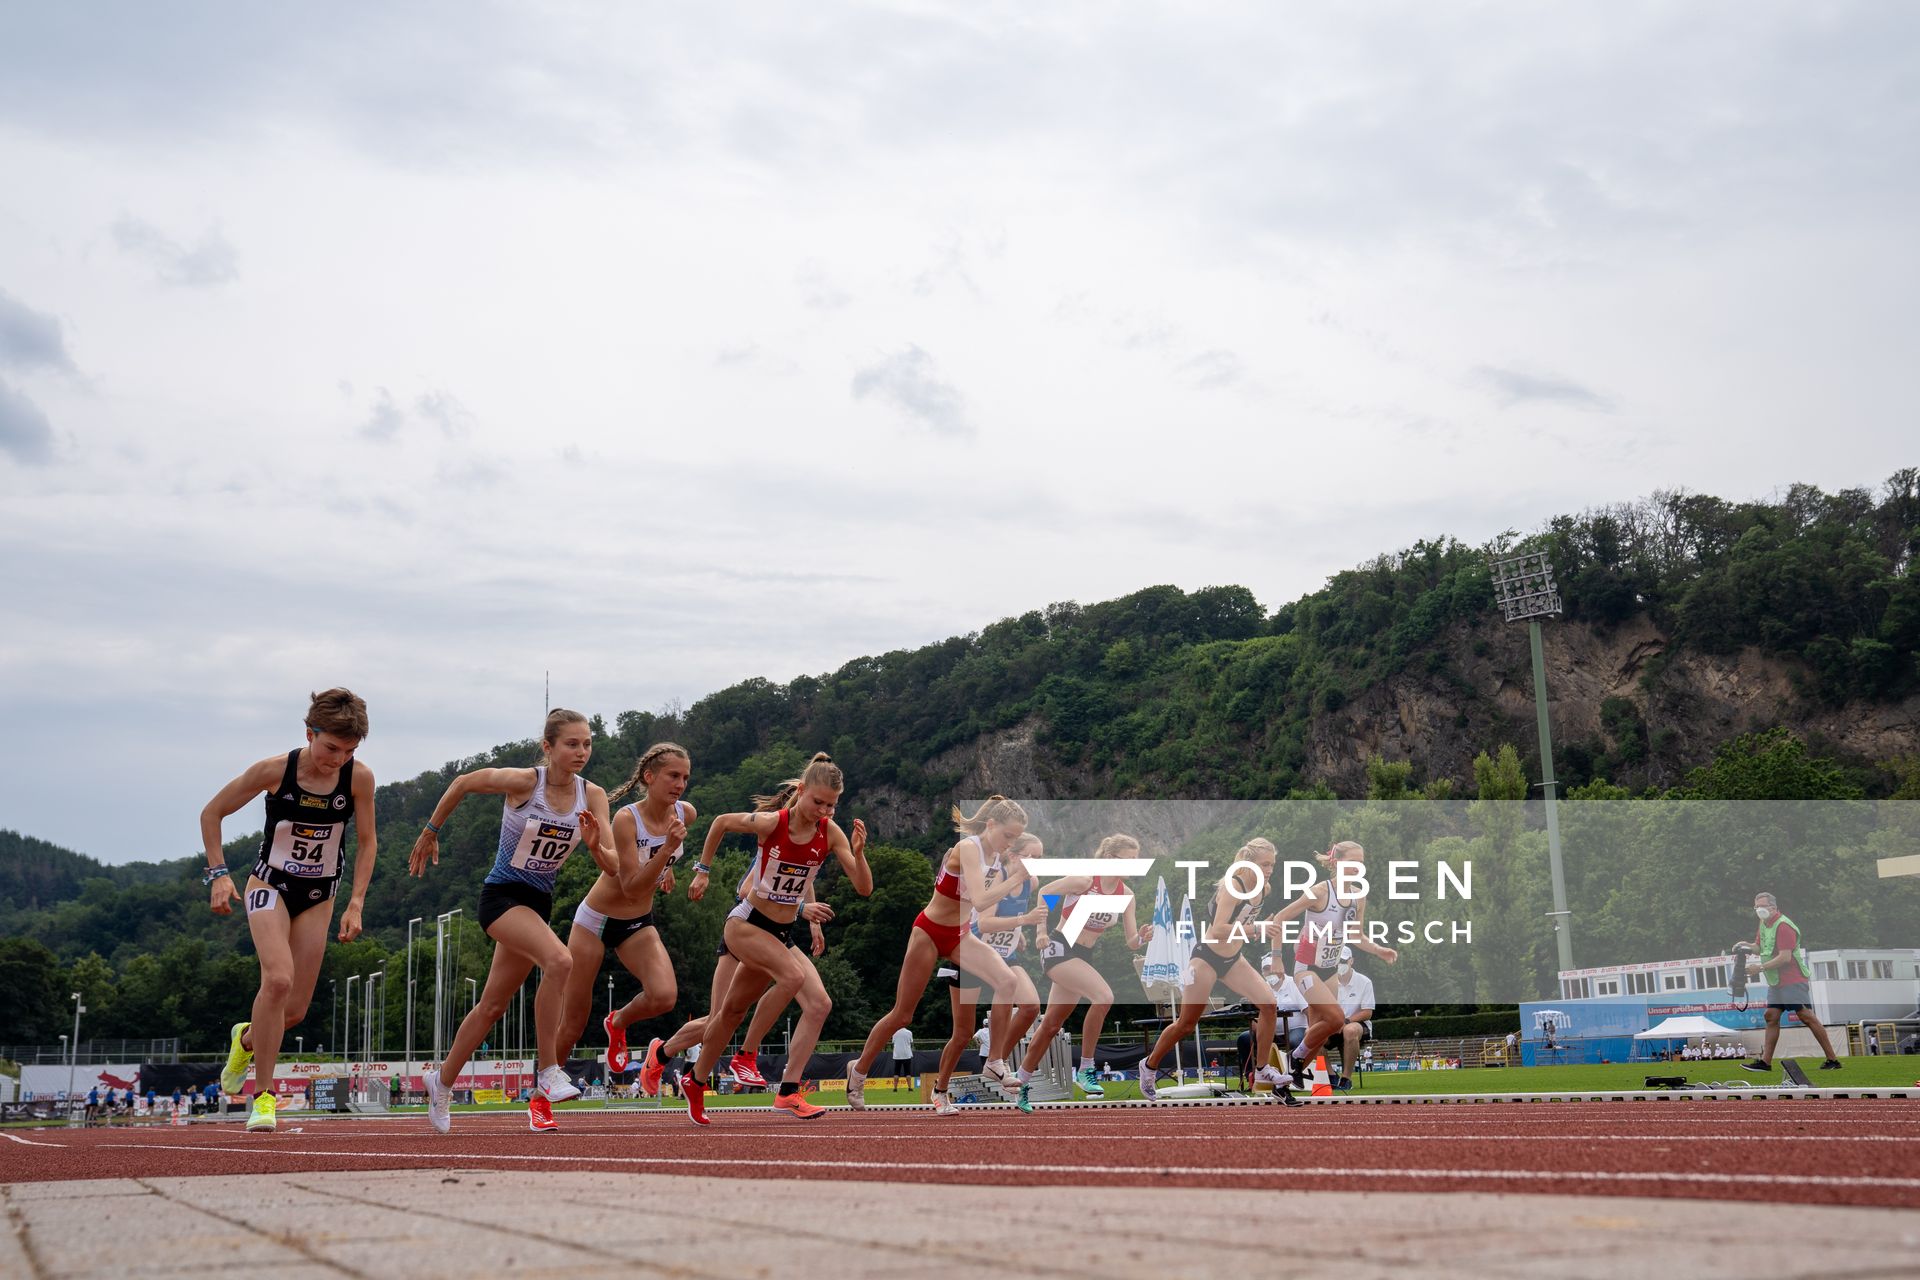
{"x": 903, "y": 1056}
{"x": 1513, "y": 1043}
{"x": 981, "y": 1039}
{"x": 212, "y": 1095}
{"x": 1782, "y": 961}
{"x": 93, "y": 1103}
{"x": 1873, "y": 1041}
{"x": 1354, "y": 991}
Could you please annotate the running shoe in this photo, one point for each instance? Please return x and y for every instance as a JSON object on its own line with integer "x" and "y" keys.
{"x": 696, "y": 1100}
{"x": 233, "y": 1076}
{"x": 746, "y": 1069}
{"x": 1831, "y": 1064}
{"x": 943, "y": 1105}
{"x": 1148, "y": 1077}
{"x": 1274, "y": 1076}
{"x": 540, "y": 1115}
{"x": 439, "y": 1103}
{"x": 651, "y": 1069}
{"x": 1756, "y": 1065}
{"x": 1343, "y": 1084}
{"x": 856, "y": 1088}
{"x": 796, "y": 1105}
{"x": 1025, "y": 1099}
{"x": 995, "y": 1072}
{"x": 1089, "y": 1081}
{"x": 264, "y": 1114}
{"x": 616, "y": 1045}
{"x": 554, "y": 1083}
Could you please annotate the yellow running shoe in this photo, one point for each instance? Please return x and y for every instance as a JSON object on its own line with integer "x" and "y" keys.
{"x": 233, "y": 1077}
{"x": 265, "y": 1114}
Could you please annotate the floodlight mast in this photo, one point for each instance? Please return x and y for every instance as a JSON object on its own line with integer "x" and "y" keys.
{"x": 1524, "y": 589}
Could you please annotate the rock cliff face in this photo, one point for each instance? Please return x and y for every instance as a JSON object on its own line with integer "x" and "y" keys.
{"x": 1481, "y": 693}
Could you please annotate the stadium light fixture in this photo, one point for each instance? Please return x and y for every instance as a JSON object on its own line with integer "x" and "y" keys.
{"x": 1524, "y": 588}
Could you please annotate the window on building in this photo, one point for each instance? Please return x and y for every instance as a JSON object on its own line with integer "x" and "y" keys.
{"x": 1883, "y": 969}
{"x": 1709, "y": 976}
{"x": 1576, "y": 988}
{"x": 1673, "y": 982}
{"x": 1606, "y": 986}
{"x": 1856, "y": 968}
{"x": 1826, "y": 970}
{"x": 1640, "y": 984}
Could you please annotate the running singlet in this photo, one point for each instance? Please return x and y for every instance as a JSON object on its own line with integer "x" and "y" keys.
{"x": 1241, "y": 916}
{"x": 305, "y": 830}
{"x": 535, "y": 839}
{"x": 1097, "y": 923}
{"x": 1004, "y": 939}
{"x": 650, "y": 843}
{"x": 1323, "y": 932}
{"x": 782, "y": 869}
{"x": 951, "y": 884}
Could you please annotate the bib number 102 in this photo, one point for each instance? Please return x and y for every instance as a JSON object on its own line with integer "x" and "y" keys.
{"x": 547, "y": 850}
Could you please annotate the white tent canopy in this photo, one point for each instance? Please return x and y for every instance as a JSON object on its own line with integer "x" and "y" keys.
{"x": 1685, "y": 1028}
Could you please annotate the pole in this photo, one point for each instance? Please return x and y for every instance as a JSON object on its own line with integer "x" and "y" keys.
{"x": 408, "y": 1069}
{"x": 347, "y": 1025}
{"x": 73, "y": 1048}
{"x": 1562, "y": 918}
{"x": 333, "y": 985}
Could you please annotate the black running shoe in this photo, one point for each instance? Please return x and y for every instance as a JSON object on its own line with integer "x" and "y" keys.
{"x": 1756, "y": 1065}
{"x": 1831, "y": 1064}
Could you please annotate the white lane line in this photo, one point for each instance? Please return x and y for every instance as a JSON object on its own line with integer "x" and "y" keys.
{"x": 25, "y": 1143}
{"x": 816, "y": 1136}
{"x": 1236, "y": 1175}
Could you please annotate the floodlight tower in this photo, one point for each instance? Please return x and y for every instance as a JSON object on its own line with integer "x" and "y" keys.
{"x": 1524, "y": 589}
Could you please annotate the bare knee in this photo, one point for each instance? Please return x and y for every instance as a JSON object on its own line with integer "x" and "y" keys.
{"x": 558, "y": 966}
{"x": 276, "y": 985}
{"x": 815, "y": 1002}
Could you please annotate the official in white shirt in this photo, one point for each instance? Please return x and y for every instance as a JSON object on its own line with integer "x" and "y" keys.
{"x": 1354, "y": 991}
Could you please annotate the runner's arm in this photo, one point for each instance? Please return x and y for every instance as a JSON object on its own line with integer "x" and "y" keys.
{"x": 366, "y": 846}
{"x": 852, "y": 855}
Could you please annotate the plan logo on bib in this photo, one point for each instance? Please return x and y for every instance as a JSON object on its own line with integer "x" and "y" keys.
{"x": 1087, "y": 904}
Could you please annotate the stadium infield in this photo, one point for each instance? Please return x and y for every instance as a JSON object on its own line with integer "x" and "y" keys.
{"x": 1699, "y": 1183}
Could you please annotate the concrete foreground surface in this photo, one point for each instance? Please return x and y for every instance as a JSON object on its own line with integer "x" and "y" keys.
{"x": 467, "y": 1223}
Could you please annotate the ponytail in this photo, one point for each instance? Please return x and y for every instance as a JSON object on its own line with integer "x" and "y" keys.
{"x": 996, "y": 808}
{"x": 821, "y": 771}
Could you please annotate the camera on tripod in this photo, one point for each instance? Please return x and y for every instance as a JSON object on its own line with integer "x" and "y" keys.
{"x": 1737, "y": 983}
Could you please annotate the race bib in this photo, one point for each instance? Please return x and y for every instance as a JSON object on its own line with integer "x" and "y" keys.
{"x": 543, "y": 847}
{"x": 1003, "y": 941}
{"x": 307, "y": 850}
{"x": 785, "y": 882}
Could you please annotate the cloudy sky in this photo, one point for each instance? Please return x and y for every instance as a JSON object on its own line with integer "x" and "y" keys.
{"x": 428, "y": 348}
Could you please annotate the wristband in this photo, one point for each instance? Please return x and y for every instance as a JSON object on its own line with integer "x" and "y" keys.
{"x": 701, "y": 869}
{"x": 214, "y": 873}
{"x": 433, "y": 828}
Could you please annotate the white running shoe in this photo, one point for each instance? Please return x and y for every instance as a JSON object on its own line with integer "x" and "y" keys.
{"x": 1274, "y": 1076}
{"x": 1000, "y": 1077}
{"x": 558, "y": 1088}
{"x": 439, "y": 1103}
{"x": 943, "y": 1105}
{"x": 856, "y": 1088}
{"x": 1147, "y": 1077}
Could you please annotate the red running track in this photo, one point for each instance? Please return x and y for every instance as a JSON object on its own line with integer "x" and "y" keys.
{"x": 1813, "y": 1152}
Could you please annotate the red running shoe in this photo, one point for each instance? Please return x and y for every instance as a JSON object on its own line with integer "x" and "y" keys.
{"x": 746, "y": 1069}
{"x": 540, "y": 1114}
{"x": 696, "y": 1100}
{"x": 616, "y": 1045}
{"x": 797, "y": 1106}
{"x": 652, "y": 1069}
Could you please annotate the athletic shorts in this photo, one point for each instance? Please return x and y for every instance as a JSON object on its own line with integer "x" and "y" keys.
{"x": 903, "y": 1066}
{"x": 759, "y": 920}
{"x": 613, "y": 931}
{"x": 1218, "y": 963}
{"x": 1058, "y": 953}
{"x": 496, "y": 899}
{"x": 297, "y": 894}
{"x": 1790, "y": 996}
{"x": 946, "y": 937}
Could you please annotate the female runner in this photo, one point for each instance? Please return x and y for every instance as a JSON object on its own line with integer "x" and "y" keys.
{"x": 1071, "y": 970}
{"x": 1216, "y": 957}
{"x": 1327, "y": 922}
{"x": 550, "y": 808}
{"x": 941, "y": 932}
{"x": 654, "y": 830}
{"x": 796, "y": 833}
{"x": 309, "y": 793}
{"x": 1004, "y": 931}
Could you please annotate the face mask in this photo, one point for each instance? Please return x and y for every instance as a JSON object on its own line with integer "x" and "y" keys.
{"x": 1763, "y": 912}
{"x": 1346, "y": 971}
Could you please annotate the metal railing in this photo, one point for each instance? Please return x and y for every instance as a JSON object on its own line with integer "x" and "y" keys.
{"x": 92, "y": 1052}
